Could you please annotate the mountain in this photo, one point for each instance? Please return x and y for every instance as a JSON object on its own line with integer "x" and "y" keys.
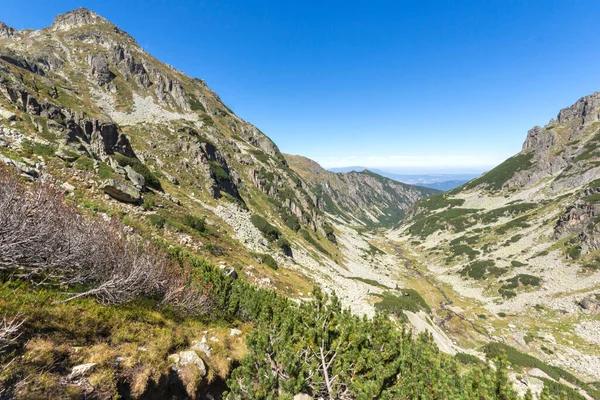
{"x": 441, "y": 182}
{"x": 522, "y": 242}
{"x": 155, "y": 245}
{"x": 365, "y": 196}
{"x": 131, "y": 140}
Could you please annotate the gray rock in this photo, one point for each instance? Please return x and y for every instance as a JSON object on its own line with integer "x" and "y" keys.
{"x": 121, "y": 191}
{"x": 137, "y": 179}
{"x": 590, "y": 304}
{"x": 68, "y": 187}
{"x": 100, "y": 70}
{"x": 235, "y": 332}
{"x": 191, "y": 358}
{"x": 66, "y": 155}
{"x": 11, "y": 116}
{"x": 203, "y": 347}
{"x": 81, "y": 370}
{"x": 7, "y": 32}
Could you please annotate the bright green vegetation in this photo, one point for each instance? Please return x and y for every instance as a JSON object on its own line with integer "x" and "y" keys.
{"x": 458, "y": 218}
{"x": 105, "y": 171}
{"x": 206, "y": 119}
{"x": 593, "y": 198}
{"x": 290, "y": 345}
{"x": 84, "y": 164}
{"x": 260, "y": 156}
{"x": 266, "y": 259}
{"x": 497, "y": 177}
{"x": 464, "y": 239}
{"x": 369, "y": 282}
{"x": 57, "y": 336}
{"x": 406, "y": 300}
{"x": 520, "y": 222}
{"x": 150, "y": 179}
{"x": 217, "y": 172}
{"x": 196, "y": 223}
{"x": 329, "y": 233}
{"x": 438, "y": 201}
{"x": 196, "y": 105}
{"x": 590, "y": 149}
{"x": 157, "y": 220}
{"x": 507, "y": 290}
{"x": 522, "y": 360}
{"x": 463, "y": 249}
{"x": 481, "y": 269}
{"x": 468, "y": 359}
{"x": 39, "y": 149}
{"x": 308, "y": 237}
{"x": 271, "y": 232}
{"x": 290, "y": 220}
{"x": 510, "y": 210}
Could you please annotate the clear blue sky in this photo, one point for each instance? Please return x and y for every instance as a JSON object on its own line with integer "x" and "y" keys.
{"x": 439, "y": 85}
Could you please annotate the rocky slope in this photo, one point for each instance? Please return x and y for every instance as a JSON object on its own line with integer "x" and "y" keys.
{"x": 522, "y": 241}
{"x": 362, "y": 198}
{"x": 129, "y": 136}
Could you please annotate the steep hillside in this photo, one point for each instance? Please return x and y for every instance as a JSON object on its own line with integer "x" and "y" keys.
{"x": 128, "y": 136}
{"x": 522, "y": 241}
{"x": 363, "y": 198}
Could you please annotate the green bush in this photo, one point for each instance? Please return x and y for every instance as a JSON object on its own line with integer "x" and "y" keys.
{"x": 481, "y": 269}
{"x": 266, "y": 259}
{"x": 307, "y": 236}
{"x": 40, "y": 149}
{"x": 291, "y": 221}
{"x": 329, "y": 233}
{"x": 105, "y": 171}
{"x": 84, "y": 164}
{"x": 407, "y": 300}
{"x": 217, "y": 172}
{"x": 519, "y": 359}
{"x": 196, "y": 223}
{"x": 468, "y": 359}
{"x": 206, "y": 119}
{"x": 157, "y": 220}
{"x": 270, "y": 232}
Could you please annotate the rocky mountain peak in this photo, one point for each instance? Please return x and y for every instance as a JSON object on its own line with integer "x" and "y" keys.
{"x": 587, "y": 108}
{"x": 7, "y": 31}
{"x": 79, "y": 17}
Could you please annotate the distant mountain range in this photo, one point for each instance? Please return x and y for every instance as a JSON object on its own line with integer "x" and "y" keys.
{"x": 442, "y": 182}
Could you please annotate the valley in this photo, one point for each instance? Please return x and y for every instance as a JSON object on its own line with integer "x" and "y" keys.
{"x": 268, "y": 256}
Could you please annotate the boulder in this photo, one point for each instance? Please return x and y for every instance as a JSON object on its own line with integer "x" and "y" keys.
{"x": 121, "y": 191}
{"x": 302, "y": 396}
{"x": 590, "y": 304}
{"x": 81, "y": 370}
{"x": 11, "y": 116}
{"x": 190, "y": 358}
{"x": 235, "y": 332}
{"x": 137, "y": 179}
{"x": 203, "y": 347}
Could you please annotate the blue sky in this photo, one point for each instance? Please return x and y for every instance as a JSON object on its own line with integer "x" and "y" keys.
{"x": 418, "y": 86}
